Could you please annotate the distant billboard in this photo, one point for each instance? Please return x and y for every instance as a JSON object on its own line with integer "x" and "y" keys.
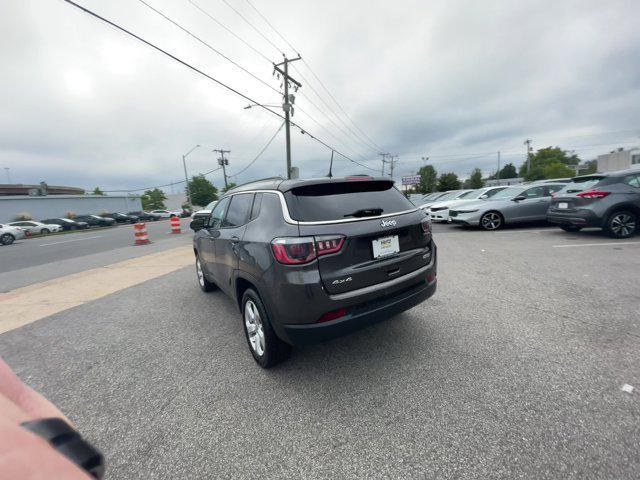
{"x": 411, "y": 180}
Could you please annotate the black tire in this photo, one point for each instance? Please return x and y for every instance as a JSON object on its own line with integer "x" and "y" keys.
{"x": 571, "y": 228}
{"x": 621, "y": 224}
{"x": 491, "y": 221}
{"x": 205, "y": 285}
{"x": 7, "y": 239}
{"x": 273, "y": 350}
{"x": 45, "y": 231}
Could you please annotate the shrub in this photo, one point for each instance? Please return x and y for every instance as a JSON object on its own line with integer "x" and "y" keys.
{"x": 21, "y": 217}
{"x": 70, "y": 214}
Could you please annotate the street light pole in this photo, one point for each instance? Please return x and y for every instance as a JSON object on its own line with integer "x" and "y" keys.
{"x": 6, "y": 170}
{"x": 186, "y": 177}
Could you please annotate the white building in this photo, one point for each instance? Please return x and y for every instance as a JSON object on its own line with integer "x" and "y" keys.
{"x": 620, "y": 159}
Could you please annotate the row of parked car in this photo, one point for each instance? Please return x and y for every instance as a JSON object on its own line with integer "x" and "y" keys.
{"x": 13, "y": 231}
{"x": 610, "y": 201}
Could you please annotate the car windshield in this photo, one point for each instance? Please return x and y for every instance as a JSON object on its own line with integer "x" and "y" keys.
{"x": 68, "y": 220}
{"x": 509, "y": 193}
{"x": 471, "y": 194}
{"x": 449, "y": 196}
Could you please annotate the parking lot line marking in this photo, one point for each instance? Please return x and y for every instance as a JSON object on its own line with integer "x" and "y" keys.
{"x": 596, "y": 244}
{"x": 67, "y": 241}
{"x": 31, "y": 303}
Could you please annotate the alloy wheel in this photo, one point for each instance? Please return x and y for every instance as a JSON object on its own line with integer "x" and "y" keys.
{"x": 254, "y": 327}
{"x": 491, "y": 221}
{"x": 623, "y": 225}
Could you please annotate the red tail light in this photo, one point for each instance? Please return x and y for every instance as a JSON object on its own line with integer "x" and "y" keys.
{"x": 593, "y": 194}
{"x": 327, "y": 317}
{"x": 329, "y": 244}
{"x": 294, "y": 250}
{"x": 426, "y": 225}
{"x": 297, "y": 250}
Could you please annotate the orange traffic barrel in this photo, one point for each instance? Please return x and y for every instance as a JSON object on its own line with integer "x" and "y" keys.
{"x": 141, "y": 235}
{"x": 175, "y": 224}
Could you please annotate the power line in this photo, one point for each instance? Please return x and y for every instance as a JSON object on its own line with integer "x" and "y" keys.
{"x": 206, "y": 75}
{"x": 259, "y": 153}
{"x": 205, "y": 12}
{"x": 159, "y": 186}
{"x": 377, "y": 148}
{"x": 252, "y": 26}
{"x": 210, "y": 47}
{"x": 338, "y": 127}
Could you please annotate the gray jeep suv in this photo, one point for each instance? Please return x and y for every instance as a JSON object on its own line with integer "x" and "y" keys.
{"x": 309, "y": 260}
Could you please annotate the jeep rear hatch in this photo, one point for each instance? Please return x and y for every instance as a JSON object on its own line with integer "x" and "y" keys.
{"x": 385, "y": 236}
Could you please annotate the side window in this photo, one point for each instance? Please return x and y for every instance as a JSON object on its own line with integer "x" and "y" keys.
{"x": 633, "y": 180}
{"x": 553, "y": 189}
{"x": 215, "y": 220}
{"x": 535, "y": 192}
{"x": 255, "y": 210}
{"x": 239, "y": 210}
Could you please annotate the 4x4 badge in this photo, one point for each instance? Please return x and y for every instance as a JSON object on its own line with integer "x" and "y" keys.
{"x": 388, "y": 223}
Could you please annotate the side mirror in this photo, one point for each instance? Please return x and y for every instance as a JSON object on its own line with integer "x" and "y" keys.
{"x": 484, "y": 197}
{"x": 519, "y": 198}
{"x": 197, "y": 224}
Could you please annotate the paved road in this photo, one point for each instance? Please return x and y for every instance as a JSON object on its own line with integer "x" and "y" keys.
{"x": 43, "y": 250}
{"x": 513, "y": 369}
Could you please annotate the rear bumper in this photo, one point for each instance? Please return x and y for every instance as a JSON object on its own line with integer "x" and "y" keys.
{"x": 583, "y": 218}
{"x": 360, "y": 316}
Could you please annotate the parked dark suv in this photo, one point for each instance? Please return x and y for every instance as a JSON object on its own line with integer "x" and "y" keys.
{"x": 309, "y": 260}
{"x": 610, "y": 201}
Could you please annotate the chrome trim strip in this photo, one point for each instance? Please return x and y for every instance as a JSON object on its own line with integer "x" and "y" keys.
{"x": 288, "y": 219}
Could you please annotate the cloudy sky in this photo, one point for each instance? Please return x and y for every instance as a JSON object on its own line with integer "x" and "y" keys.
{"x": 457, "y": 81}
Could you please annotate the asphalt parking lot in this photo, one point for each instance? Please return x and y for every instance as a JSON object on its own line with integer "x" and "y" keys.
{"x": 513, "y": 369}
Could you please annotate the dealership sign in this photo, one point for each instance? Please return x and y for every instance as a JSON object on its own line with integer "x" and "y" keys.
{"x": 411, "y": 180}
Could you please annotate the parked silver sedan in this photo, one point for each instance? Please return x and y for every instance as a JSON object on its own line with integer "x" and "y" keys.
{"x": 512, "y": 205}
{"x": 9, "y": 234}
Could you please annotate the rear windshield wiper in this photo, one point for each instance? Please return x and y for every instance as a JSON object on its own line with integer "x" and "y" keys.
{"x": 365, "y": 212}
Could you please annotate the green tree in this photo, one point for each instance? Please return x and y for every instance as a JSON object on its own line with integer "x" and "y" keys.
{"x": 202, "y": 190}
{"x": 448, "y": 181}
{"x": 543, "y": 159}
{"x": 229, "y": 187}
{"x": 428, "y": 179}
{"x": 508, "y": 171}
{"x": 475, "y": 179}
{"x": 97, "y": 191}
{"x": 591, "y": 167}
{"x": 558, "y": 170}
{"x": 153, "y": 199}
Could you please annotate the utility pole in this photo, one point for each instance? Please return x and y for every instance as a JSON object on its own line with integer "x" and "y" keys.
{"x": 392, "y": 160}
{"x": 498, "y": 171}
{"x": 287, "y": 106}
{"x": 186, "y": 177}
{"x": 223, "y": 162}
{"x": 528, "y": 144}
{"x": 384, "y": 160}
